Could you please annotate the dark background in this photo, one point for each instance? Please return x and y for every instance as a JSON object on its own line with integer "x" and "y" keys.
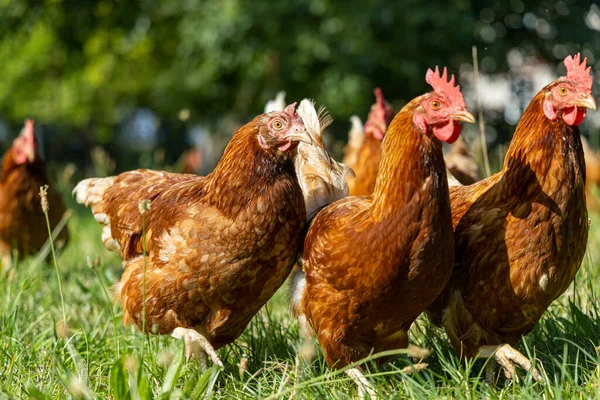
{"x": 137, "y": 77}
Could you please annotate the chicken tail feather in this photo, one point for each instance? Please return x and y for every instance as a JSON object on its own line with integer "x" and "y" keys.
{"x": 90, "y": 192}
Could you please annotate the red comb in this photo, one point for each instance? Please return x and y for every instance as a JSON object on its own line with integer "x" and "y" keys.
{"x": 577, "y": 71}
{"x": 445, "y": 87}
{"x": 379, "y": 97}
{"x": 290, "y": 109}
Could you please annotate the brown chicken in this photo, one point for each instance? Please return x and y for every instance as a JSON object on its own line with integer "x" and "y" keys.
{"x": 361, "y": 299}
{"x": 363, "y": 156}
{"x": 190, "y": 161}
{"x": 520, "y": 234}
{"x": 219, "y": 246}
{"x": 461, "y": 163}
{"x": 592, "y": 175}
{"x": 22, "y": 222}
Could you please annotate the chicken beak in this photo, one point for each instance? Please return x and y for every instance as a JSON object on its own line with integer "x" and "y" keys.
{"x": 464, "y": 116}
{"x": 300, "y": 136}
{"x": 587, "y": 102}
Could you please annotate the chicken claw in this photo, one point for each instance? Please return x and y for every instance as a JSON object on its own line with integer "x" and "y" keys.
{"x": 197, "y": 345}
{"x": 507, "y": 356}
{"x": 364, "y": 386}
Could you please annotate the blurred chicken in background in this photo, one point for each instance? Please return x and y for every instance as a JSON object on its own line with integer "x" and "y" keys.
{"x": 22, "y": 222}
{"x": 363, "y": 152}
{"x": 461, "y": 163}
{"x": 592, "y": 175}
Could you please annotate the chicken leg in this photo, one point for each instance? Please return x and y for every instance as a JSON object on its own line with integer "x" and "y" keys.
{"x": 197, "y": 345}
{"x": 507, "y": 356}
{"x": 364, "y": 386}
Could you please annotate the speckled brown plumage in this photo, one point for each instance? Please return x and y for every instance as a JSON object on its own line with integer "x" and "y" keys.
{"x": 218, "y": 246}
{"x": 374, "y": 263}
{"x": 22, "y": 222}
{"x": 520, "y": 235}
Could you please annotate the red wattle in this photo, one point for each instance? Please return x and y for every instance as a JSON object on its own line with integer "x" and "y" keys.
{"x": 570, "y": 115}
{"x": 378, "y": 134}
{"x": 580, "y": 115}
{"x": 288, "y": 146}
{"x": 448, "y": 132}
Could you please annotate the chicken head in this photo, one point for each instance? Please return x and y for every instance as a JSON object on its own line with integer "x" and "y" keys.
{"x": 443, "y": 109}
{"x": 24, "y": 146}
{"x": 380, "y": 116}
{"x": 571, "y": 96}
{"x": 282, "y": 130}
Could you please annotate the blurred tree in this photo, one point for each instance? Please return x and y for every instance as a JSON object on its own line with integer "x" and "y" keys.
{"x": 86, "y": 67}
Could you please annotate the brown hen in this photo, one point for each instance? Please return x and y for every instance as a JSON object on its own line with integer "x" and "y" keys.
{"x": 362, "y": 299}
{"x": 218, "y": 247}
{"x": 22, "y": 222}
{"x": 363, "y": 155}
{"x": 520, "y": 234}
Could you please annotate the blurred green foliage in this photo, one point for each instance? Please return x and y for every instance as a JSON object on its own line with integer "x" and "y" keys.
{"x": 82, "y": 67}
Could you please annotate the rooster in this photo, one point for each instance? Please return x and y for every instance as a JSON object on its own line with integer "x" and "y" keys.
{"x": 216, "y": 248}
{"x": 22, "y": 222}
{"x": 363, "y": 152}
{"x": 362, "y": 299}
{"x": 520, "y": 234}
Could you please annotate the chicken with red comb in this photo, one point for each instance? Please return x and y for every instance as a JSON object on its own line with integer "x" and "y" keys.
{"x": 216, "y": 247}
{"x": 520, "y": 234}
{"x": 362, "y": 299}
{"x": 22, "y": 222}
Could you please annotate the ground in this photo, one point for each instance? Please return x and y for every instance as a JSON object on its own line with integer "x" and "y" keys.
{"x": 97, "y": 357}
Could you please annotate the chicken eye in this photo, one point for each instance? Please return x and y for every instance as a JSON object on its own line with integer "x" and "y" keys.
{"x": 277, "y": 124}
{"x": 562, "y": 90}
{"x": 436, "y": 105}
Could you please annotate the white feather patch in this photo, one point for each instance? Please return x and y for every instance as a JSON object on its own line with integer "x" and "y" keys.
{"x": 277, "y": 104}
{"x": 452, "y": 181}
{"x": 356, "y": 135}
{"x": 321, "y": 178}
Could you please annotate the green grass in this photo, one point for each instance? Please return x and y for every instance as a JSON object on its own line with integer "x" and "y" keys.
{"x": 97, "y": 357}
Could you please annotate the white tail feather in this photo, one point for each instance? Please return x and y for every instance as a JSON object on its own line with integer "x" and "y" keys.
{"x": 321, "y": 178}
{"x": 277, "y": 104}
{"x": 90, "y": 193}
{"x": 356, "y": 135}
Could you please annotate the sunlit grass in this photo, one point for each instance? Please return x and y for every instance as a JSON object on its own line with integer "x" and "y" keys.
{"x": 37, "y": 360}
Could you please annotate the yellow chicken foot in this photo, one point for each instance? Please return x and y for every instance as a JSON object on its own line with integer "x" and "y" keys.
{"x": 364, "y": 386}
{"x": 197, "y": 345}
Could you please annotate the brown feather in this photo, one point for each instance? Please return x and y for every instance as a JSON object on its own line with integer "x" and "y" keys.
{"x": 520, "y": 236}
{"x": 218, "y": 247}
{"x": 374, "y": 263}
{"x": 22, "y": 222}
